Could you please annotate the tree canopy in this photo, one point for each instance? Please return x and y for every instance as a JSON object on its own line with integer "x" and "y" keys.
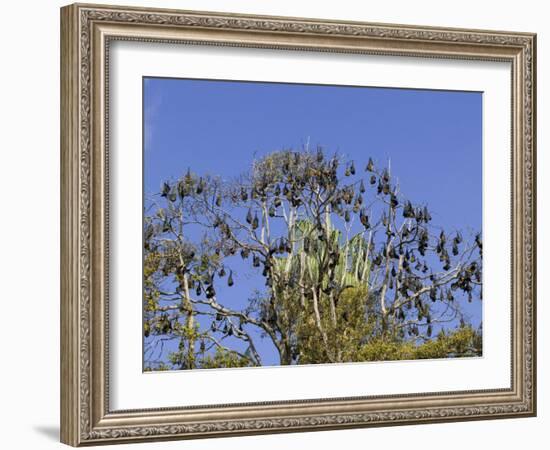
{"x": 351, "y": 270}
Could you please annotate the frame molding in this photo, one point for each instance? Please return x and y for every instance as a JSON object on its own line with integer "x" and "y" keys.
{"x": 86, "y": 31}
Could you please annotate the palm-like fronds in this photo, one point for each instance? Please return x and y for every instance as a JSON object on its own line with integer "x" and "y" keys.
{"x": 310, "y": 261}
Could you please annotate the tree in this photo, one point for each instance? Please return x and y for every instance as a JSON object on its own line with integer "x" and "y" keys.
{"x": 352, "y": 270}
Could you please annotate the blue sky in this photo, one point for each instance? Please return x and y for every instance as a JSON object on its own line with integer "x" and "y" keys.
{"x": 433, "y": 138}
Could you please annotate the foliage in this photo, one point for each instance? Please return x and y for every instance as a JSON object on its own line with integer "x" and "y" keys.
{"x": 224, "y": 358}
{"x": 349, "y": 275}
{"x": 462, "y": 342}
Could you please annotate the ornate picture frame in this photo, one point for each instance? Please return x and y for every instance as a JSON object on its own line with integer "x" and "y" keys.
{"x": 87, "y": 32}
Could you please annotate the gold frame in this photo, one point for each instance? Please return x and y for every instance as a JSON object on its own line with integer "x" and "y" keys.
{"x": 86, "y": 31}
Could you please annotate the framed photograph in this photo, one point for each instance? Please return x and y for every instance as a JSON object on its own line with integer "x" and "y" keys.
{"x": 276, "y": 224}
